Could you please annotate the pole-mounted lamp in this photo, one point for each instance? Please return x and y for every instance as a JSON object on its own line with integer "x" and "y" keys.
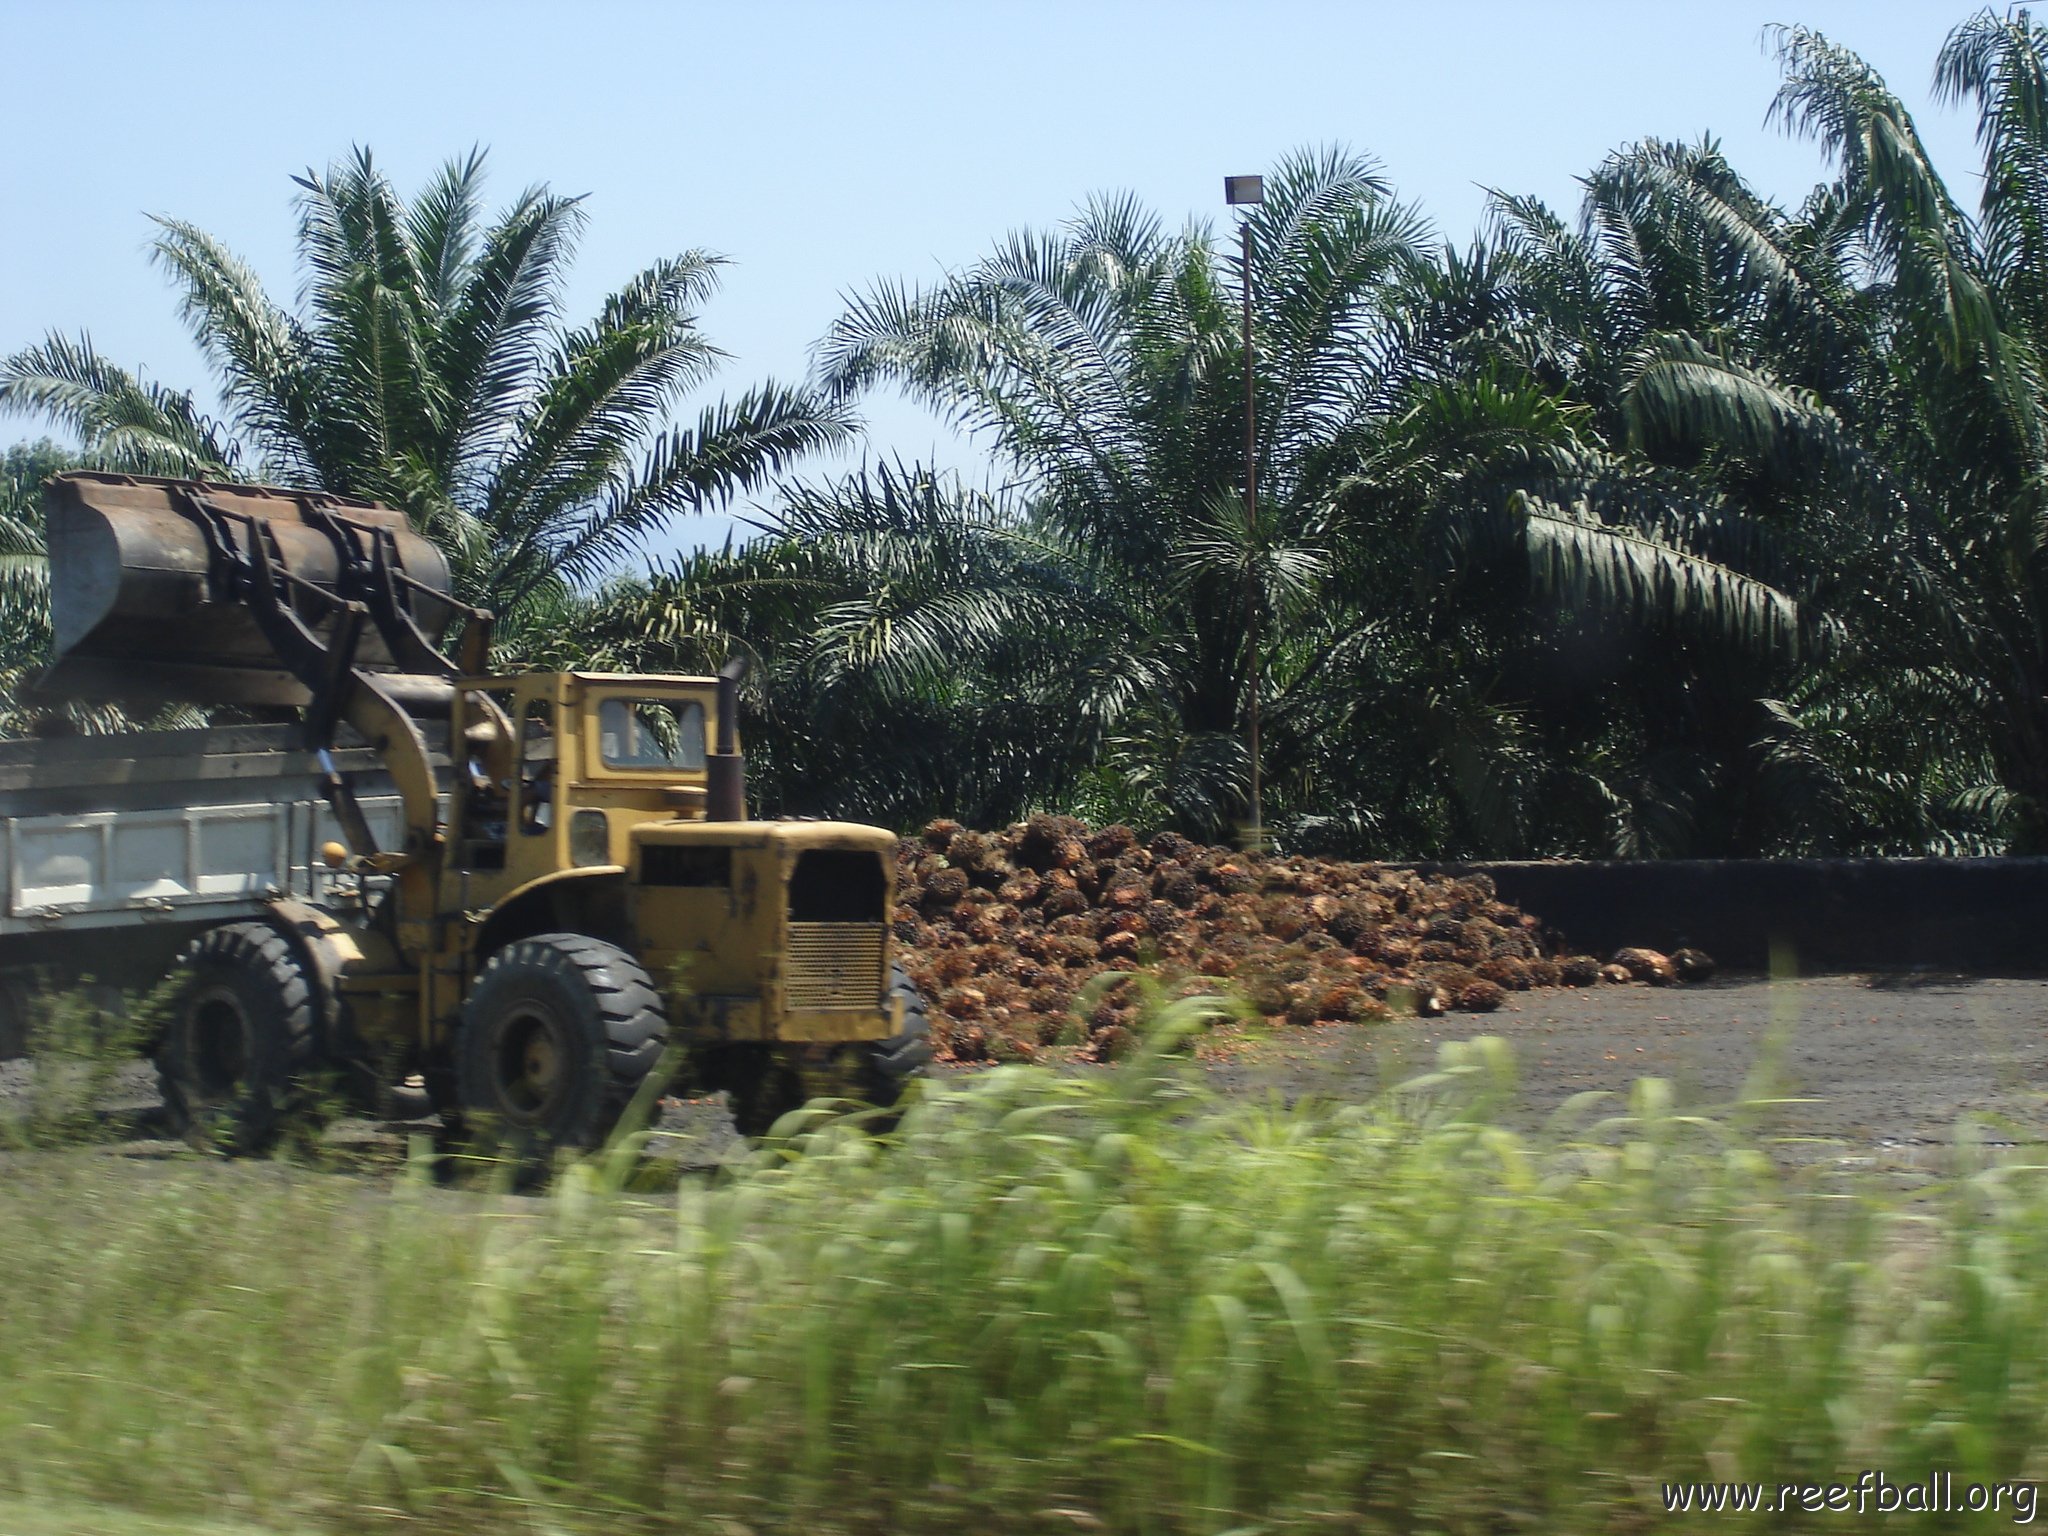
{"x": 1240, "y": 191}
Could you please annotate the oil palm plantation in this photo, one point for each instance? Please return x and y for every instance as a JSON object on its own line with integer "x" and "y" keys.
{"x": 1446, "y": 465}
{"x": 1102, "y": 363}
{"x": 1959, "y": 437}
{"x": 1599, "y": 608}
{"x": 1704, "y": 525}
{"x": 1693, "y": 524}
{"x": 1874, "y": 413}
{"x": 428, "y": 363}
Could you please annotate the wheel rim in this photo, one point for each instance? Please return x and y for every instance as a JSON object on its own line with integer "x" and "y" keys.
{"x": 530, "y": 1060}
{"x": 218, "y": 1029}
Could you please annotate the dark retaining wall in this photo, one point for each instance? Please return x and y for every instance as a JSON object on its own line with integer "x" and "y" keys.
{"x": 1836, "y": 914}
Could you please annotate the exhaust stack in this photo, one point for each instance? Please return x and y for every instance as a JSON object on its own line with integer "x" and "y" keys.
{"x": 725, "y": 784}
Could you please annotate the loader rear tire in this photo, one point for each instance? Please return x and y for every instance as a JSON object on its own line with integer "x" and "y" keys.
{"x": 242, "y": 1040}
{"x": 557, "y": 1035}
{"x": 893, "y": 1064}
{"x": 767, "y": 1083}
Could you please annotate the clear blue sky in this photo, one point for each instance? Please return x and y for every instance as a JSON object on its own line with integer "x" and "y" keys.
{"x": 822, "y": 145}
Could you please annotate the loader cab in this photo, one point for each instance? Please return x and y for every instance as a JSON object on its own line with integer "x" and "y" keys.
{"x": 553, "y": 770}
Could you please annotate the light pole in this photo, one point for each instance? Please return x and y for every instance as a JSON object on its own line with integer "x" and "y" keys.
{"x": 1245, "y": 190}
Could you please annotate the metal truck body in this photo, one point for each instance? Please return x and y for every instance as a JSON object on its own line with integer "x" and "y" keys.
{"x": 163, "y": 832}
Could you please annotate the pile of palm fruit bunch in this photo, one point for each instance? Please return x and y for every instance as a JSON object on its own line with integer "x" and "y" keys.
{"x": 1004, "y": 932}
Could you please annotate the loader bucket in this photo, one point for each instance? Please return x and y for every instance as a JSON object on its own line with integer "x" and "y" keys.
{"x": 149, "y": 600}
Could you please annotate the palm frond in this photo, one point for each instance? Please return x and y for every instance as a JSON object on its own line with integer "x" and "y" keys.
{"x": 1582, "y": 563}
{"x": 608, "y": 385}
{"x": 1917, "y": 233}
{"x": 260, "y": 354}
{"x": 734, "y": 447}
{"x": 1683, "y": 396}
{"x": 440, "y": 228}
{"x": 128, "y": 422}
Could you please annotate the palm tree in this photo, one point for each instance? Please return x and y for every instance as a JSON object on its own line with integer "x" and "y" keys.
{"x": 428, "y": 365}
{"x": 1681, "y": 416}
{"x": 1917, "y": 447}
{"x": 1600, "y": 612}
{"x": 1102, "y": 362}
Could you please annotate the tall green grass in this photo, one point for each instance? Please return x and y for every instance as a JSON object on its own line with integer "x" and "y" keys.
{"x": 1084, "y": 1303}
{"x": 79, "y": 1043}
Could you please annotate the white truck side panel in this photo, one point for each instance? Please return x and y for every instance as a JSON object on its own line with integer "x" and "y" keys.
{"x": 109, "y": 868}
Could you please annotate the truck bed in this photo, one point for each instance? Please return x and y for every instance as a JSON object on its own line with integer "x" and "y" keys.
{"x": 169, "y": 827}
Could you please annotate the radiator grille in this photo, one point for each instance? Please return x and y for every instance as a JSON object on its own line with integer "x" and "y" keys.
{"x": 834, "y": 965}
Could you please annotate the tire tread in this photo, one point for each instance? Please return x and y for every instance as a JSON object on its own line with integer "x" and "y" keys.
{"x": 267, "y": 958}
{"x": 628, "y": 1014}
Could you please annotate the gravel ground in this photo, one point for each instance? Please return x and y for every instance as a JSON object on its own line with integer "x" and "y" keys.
{"x": 1884, "y": 1067}
{"x": 695, "y": 1134}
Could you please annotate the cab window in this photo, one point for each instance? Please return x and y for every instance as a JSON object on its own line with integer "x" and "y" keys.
{"x": 651, "y": 733}
{"x": 537, "y": 769}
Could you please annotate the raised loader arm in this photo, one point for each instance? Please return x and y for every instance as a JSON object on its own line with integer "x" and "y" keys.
{"x": 216, "y": 594}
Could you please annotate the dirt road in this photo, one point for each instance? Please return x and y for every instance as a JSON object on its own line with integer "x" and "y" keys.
{"x": 1885, "y": 1066}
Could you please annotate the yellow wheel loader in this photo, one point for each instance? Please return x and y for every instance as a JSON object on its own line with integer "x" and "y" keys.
{"x": 523, "y": 890}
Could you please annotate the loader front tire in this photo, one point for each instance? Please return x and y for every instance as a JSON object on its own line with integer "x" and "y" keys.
{"x": 557, "y": 1035}
{"x": 242, "y": 1039}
